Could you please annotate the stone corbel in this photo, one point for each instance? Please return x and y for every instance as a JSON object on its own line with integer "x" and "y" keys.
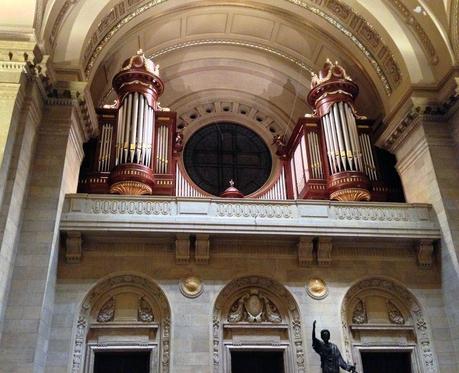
{"x": 202, "y": 249}
{"x": 305, "y": 251}
{"x": 73, "y": 249}
{"x": 425, "y": 250}
{"x": 182, "y": 248}
{"x": 324, "y": 251}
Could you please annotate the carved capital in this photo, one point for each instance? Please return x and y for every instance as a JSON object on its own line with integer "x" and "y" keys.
{"x": 305, "y": 251}
{"x": 202, "y": 249}
{"x": 73, "y": 250}
{"x": 324, "y": 251}
{"x": 425, "y": 250}
{"x": 182, "y": 248}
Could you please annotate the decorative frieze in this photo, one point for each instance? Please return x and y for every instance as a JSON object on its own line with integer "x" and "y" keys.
{"x": 254, "y": 210}
{"x": 176, "y": 215}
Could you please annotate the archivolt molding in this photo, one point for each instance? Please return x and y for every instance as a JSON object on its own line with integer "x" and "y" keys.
{"x": 404, "y": 296}
{"x": 105, "y": 286}
{"x": 237, "y": 288}
{"x": 340, "y": 16}
{"x": 418, "y": 31}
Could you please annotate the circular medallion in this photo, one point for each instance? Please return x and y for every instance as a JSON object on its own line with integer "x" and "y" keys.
{"x": 191, "y": 287}
{"x": 317, "y": 288}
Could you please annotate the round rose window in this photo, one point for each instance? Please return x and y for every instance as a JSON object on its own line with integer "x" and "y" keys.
{"x": 223, "y": 151}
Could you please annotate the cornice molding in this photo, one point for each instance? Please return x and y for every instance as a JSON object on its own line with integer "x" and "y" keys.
{"x": 422, "y": 105}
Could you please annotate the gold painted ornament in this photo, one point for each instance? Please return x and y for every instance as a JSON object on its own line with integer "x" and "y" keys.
{"x": 317, "y": 288}
{"x": 191, "y": 287}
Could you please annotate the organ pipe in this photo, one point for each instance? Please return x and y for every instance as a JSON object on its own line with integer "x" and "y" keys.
{"x": 332, "y": 96}
{"x": 138, "y": 86}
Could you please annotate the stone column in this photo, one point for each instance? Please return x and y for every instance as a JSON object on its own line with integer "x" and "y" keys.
{"x": 54, "y": 173}
{"x": 428, "y": 165}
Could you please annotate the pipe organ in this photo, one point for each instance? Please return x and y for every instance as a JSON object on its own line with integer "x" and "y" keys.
{"x": 329, "y": 154}
{"x": 134, "y": 150}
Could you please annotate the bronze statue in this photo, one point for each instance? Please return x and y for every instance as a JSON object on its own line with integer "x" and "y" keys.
{"x": 330, "y": 357}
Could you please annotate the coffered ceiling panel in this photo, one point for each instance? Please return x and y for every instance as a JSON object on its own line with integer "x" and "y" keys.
{"x": 206, "y": 23}
{"x": 252, "y": 26}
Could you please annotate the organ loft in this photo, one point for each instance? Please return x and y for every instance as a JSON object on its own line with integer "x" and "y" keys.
{"x": 194, "y": 186}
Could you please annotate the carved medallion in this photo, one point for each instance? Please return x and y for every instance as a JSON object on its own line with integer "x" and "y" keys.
{"x": 317, "y": 288}
{"x": 191, "y": 287}
{"x": 254, "y": 307}
{"x": 107, "y": 312}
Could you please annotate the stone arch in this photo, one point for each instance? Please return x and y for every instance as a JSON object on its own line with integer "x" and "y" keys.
{"x": 277, "y": 299}
{"x": 97, "y": 301}
{"x": 404, "y": 306}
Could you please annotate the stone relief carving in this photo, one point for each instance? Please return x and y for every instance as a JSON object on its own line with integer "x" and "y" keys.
{"x": 359, "y": 315}
{"x": 144, "y": 313}
{"x": 370, "y": 213}
{"x": 107, "y": 312}
{"x": 254, "y": 307}
{"x": 241, "y": 210}
{"x": 114, "y": 206}
{"x": 107, "y": 285}
{"x": 265, "y": 287}
{"x": 394, "y": 314}
{"x": 422, "y": 328}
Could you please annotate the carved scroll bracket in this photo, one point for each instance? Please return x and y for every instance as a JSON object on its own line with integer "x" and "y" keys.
{"x": 425, "y": 249}
{"x": 324, "y": 251}
{"x": 73, "y": 247}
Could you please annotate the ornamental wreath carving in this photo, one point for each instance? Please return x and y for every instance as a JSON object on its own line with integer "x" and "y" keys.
{"x": 254, "y": 307}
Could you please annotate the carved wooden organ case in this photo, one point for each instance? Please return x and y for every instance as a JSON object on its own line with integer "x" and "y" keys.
{"x": 329, "y": 155}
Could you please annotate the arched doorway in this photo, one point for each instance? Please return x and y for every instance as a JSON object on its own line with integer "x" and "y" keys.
{"x": 256, "y": 319}
{"x": 123, "y": 320}
{"x": 384, "y": 327}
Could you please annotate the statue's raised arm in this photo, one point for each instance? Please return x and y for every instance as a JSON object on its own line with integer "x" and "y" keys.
{"x": 330, "y": 357}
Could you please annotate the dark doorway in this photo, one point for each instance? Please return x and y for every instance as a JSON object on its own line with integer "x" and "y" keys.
{"x": 386, "y": 362}
{"x": 257, "y": 362}
{"x": 122, "y": 362}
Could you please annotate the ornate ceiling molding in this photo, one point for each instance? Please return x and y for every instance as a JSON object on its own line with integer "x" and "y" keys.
{"x": 455, "y": 27}
{"x": 343, "y": 18}
{"x": 418, "y": 31}
{"x": 65, "y": 10}
{"x": 232, "y": 42}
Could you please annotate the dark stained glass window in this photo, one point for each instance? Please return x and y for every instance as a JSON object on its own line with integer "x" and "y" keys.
{"x": 223, "y": 151}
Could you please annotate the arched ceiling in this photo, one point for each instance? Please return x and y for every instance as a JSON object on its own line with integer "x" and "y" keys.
{"x": 263, "y": 49}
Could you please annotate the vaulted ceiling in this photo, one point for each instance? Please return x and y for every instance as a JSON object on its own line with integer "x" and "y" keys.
{"x": 257, "y": 53}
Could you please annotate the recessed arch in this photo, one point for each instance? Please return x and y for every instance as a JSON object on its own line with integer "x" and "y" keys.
{"x": 408, "y": 317}
{"x": 99, "y": 307}
{"x": 274, "y": 308}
